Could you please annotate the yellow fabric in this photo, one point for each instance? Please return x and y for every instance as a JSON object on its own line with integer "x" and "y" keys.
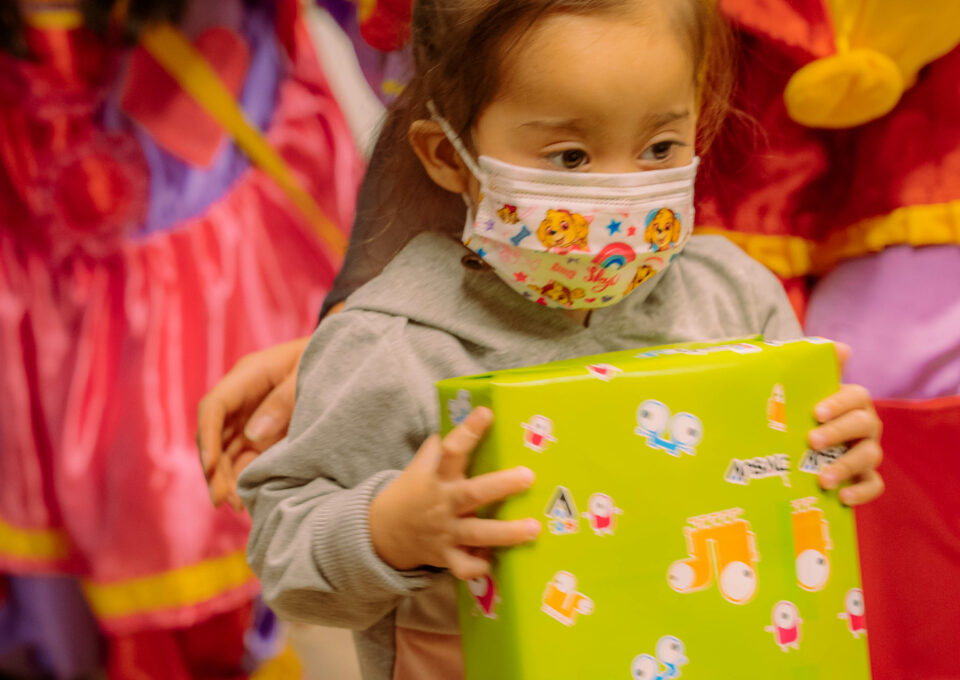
{"x": 197, "y": 78}
{"x": 881, "y": 46}
{"x": 32, "y": 544}
{"x": 52, "y": 19}
{"x": 182, "y": 587}
{"x": 285, "y": 666}
{"x": 792, "y": 256}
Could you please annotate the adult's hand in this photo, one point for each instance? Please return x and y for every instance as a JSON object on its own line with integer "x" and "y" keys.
{"x": 244, "y": 414}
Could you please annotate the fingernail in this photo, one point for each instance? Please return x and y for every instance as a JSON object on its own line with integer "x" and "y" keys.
{"x": 526, "y": 474}
{"x": 260, "y": 427}
{"x": 816, "y": 440}
{"x": 828, "y": 479}
{"x": 848, "y": 497}
{"x": 533, "y": 528}
{"x": 822, "y": 412}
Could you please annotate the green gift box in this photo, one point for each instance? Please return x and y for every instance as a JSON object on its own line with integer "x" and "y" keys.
{"x": 685, "y": 532}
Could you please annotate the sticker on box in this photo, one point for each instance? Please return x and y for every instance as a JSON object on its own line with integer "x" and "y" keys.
{"x": 814, "y": 461}
{"x": 777, "y": 409}
{"x": 681, "y": 434}
{"x": 606, "y": 372}
{"x": 670, "y": 652}
{"x": 538, "y": 433}
{"x": 459, "y": 408}
{"x": 811, "y": 543}
{"x": 854, "y": 613}
{"x": 562, "y": 512}
{"x": 720, "y": 544}
{"x": 602, "y": 514}
{"x": 562, "y": 601}
{"x": 785, "y": 625}
{"x": 484, "y": 592}
{"x": 761, "y": 467}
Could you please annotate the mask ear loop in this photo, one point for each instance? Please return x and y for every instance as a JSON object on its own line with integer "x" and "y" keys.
{"x": 467, "y": 159}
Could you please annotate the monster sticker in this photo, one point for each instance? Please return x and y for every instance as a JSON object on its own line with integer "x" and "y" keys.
{"x": 484, "y": 592}
{"x": 777, "y": 409}
{"x": 854, "y": 613}
{"x": 562, "y": 601}
{"x": 681, "y": 434}
{"x": 538, "y": 433}
{"x": 670, "y": 653}
{"x": 811, "y": 542}
{"x": 718, "y": 544}
{"x": 562, "y": 513}
{"x": 459, "y": 408}
{"x": 785, "y": 625}
{"x": 602, "y": 514}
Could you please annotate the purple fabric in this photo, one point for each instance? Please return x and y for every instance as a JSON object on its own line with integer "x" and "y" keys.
{"x": 179, "y": 191}
{"x": 899, "y": 311}
{"x": 46, "y": 630}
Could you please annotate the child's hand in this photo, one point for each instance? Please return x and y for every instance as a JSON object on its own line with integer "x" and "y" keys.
{"x": 848, "y": 417}
{"x": 425, "y": 516}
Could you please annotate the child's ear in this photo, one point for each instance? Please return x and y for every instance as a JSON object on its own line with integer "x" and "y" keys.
{"x": 438, "y": 156}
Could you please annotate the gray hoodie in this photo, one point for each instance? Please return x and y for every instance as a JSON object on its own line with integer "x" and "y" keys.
{"x": 366, "y": 401}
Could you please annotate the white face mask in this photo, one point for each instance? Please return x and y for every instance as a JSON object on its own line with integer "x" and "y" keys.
{"x": 576, "y": 240}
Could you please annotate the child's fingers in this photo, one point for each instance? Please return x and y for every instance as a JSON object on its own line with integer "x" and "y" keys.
{"x": 465, "y": 566}
{"x": 209, "y": 432}
{"x": 847, "y": 398}
{"x": 863, "y": 458}
{"x": 475, "y": 532}
{"x": 461, "y": 441}
{"x": 843, "y": 355}
{"x": 472, "y": 494}
{"x": 866, "y": 489}
{"x": 853, "y": 425}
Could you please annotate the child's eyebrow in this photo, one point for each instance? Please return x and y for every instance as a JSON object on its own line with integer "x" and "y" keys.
{"x": 561, "y": 124}
{"x": 659, "y": 119}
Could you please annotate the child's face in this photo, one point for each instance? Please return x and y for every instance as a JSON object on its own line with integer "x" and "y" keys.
{"x": 594, "y": 93}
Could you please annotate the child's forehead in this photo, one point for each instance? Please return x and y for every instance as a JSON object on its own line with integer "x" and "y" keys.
{"x": 569, "y": 65}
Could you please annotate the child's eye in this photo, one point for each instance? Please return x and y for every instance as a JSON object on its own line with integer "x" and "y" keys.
{"x": 660, "y": 151}
{"x": 570, "y": 159}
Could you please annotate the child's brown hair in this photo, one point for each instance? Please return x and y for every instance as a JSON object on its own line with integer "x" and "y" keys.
{"x": 458, "y": 47}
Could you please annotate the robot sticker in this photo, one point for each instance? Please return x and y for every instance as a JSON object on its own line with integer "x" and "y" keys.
{"x": 602, "y": 514}
{"x": 459, "y": 408}
{"x": 562, "y": 601}
{"x": 720, "y": 545}
{"x": 670, "y": 653}
{"x": 562, "y": 513}
{"x": 675, "y": 436}
{"x": 484, "y": 592}
{"x": 538, "y": 433}
{"x": 605, "y": 372}
{"x": 785, "y": 625}
{"x": 777, "y": 409}
{"x": 811, "y": 542}
{"x": 855, "y": 613}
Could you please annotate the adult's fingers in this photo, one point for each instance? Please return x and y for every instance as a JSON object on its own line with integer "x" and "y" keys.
{"x": 461, "y": 441}
{"x": 481, "y": 533}
{"x": 269, "y": 422}
{"x": 866, "y": 488}
{"x": 472, "y": 494}
{"x": 861, "y": 459}
{"x": 465, "y": 566}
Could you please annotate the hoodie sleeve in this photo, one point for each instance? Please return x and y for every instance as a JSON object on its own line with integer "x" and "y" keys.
{"x": 358, "y": 420}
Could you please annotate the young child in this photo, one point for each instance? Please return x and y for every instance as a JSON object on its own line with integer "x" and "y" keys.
{"x": 581, "y": 112}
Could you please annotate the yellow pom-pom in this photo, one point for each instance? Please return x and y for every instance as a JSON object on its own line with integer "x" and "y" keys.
{"x": 844, "y": 90}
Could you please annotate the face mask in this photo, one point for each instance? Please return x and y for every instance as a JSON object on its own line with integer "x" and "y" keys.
{"x": 576, "y": 240}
